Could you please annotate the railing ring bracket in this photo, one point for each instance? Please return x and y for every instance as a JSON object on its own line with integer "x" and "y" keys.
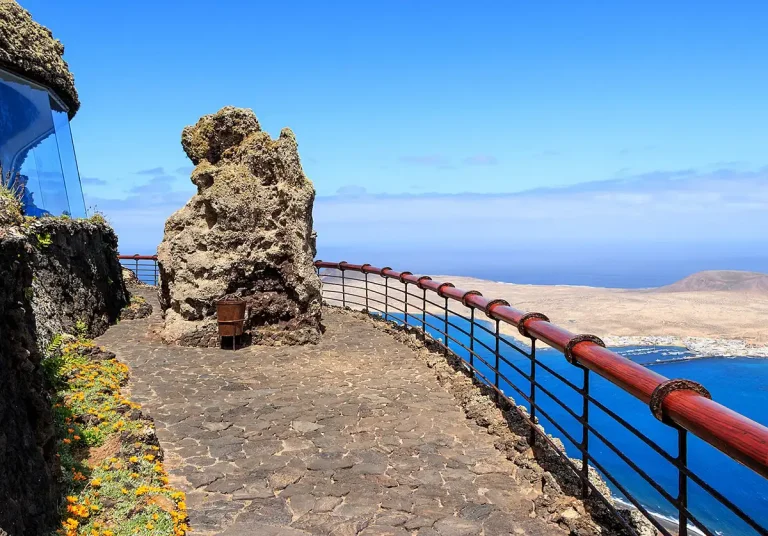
{"x": 381, "y": 272}
{"x": 670, "y": 386}
{"x": 440, "y": 288}
{"x": 402, "y": 277}
{"x": 492, "y": 303}
{"x": 467, "y": 294}
{"x": 341, "y": 265}
{"x": 526, "y": 317}
{"x": 423, "y": 278}
{"x": 568, "y": 352}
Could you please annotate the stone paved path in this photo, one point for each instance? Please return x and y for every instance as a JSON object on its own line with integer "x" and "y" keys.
{"x": 352, "y": 436}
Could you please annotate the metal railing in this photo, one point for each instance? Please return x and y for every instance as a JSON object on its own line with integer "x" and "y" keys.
{"x": 556, "y": 393}
{"x": 144, "y": 266}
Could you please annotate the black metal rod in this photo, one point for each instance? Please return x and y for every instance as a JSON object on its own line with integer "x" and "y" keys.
{"x": 472, "y": 338}
{"x": 386, "y": 299}
{"x": 405, "y": 318}
{"x": 343, "y": 290}
{"x": 366, "y": 291}
{"x": 532, "y": 437}
{"x": 424, "y": 314}
{"x": 585, "y": 436}
{"x": 682, "y": 481}
{"x": 496, "y": 371}
{"x": 445, "y": 349}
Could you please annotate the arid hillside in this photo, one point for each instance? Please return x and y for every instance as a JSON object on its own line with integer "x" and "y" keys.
{"x": 720, "y": 280}
{"x": 721, "y": 307}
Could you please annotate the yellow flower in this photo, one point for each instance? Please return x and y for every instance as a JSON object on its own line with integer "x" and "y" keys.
{"x": 96, "y": 482}
{"x": 133, "y": 459}
{"x": 149, "y": 457}
{"x": 124, "y": 491}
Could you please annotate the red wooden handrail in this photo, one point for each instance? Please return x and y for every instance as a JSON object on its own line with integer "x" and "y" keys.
{"x": 138, "y": 257}
{"x": 737, "y": 436}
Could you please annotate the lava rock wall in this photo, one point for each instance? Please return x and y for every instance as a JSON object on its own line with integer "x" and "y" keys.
{"x": 78, "y": 277}
{"x": 27, "y": 442}
{"x": 247, "y": 234}
{"x": 53, "y": 273}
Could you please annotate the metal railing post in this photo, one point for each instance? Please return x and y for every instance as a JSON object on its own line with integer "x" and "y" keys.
{"x": 445, "y": 347}
{"x": 532, "y": 436}
{"x": 405, "y": 298}
{"x": 682, "y": 481}
{"x": 424, "y": 314}
{"x": 496, "y": 372}
{"x": 137, "y": 268}
{"x": 366, "y": 293}
{"x": 157, "y": 272}
{"x": 472, "y": 339}
{"x": 386, "y": 299}
{"x": 585, "y": 435}
{"x": 343, "y": 290}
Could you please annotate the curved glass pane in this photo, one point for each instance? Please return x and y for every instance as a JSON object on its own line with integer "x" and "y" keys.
{"x": 68, "y": 161}
{"x": 36, "y": 149}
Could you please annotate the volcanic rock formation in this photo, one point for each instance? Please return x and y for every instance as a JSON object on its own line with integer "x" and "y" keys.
{"x": 29, "y": 49}
{"x": 247, "y": 234}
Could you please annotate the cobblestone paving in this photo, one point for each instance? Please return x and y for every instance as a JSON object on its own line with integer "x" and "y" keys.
{"x": 352, "y": 436}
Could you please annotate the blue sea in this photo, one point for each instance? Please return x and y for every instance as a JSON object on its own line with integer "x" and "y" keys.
{"x": 739, "y": 383}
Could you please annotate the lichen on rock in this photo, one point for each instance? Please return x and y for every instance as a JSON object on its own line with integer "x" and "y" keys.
{"x": 138, "y": 308}
{"x": 30, "y": 49}
{"x": 247, "y": 233}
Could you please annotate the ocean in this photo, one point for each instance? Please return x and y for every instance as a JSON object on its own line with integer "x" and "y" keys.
{"x": 738, "y": 383}
{"x": 609, "y": 265}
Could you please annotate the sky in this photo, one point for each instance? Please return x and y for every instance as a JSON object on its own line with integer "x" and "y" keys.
{"x": 508, "y": 129}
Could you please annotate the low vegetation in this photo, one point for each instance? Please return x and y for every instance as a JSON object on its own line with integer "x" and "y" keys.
{"x": 112, "y": 474}
{"x": 11, "y": 194}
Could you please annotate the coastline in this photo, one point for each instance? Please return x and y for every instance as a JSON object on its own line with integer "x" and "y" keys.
{"x": 701, "y": 346}
{"x": 708, "y": 323}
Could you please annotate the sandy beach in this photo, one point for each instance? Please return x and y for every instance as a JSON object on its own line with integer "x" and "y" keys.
{"x": 707, "y": 322}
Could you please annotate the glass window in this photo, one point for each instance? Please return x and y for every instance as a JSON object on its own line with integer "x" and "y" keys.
{"x": 68, "y": 161}
{"x": 36, "y": 146}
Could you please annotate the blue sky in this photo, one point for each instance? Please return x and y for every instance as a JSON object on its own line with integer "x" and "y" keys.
{"x": 406, "y": 107}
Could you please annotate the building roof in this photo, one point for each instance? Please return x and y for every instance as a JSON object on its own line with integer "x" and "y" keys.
{"x": 30, "y": 50}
